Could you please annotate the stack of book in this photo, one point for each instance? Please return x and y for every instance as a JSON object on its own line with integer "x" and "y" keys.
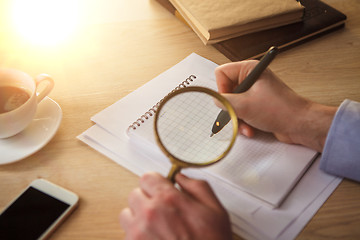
{"x": 214, "y": 21}
{"x": 246, "y": 29}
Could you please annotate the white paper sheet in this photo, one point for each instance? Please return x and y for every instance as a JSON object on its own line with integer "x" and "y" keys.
{"x": 251, "y": 218}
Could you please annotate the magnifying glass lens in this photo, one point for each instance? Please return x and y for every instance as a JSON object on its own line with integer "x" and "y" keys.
{"x": 184, "y": 124}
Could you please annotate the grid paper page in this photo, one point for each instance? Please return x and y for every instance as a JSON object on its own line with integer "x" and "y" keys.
{"x": 184, "y": 127}
{"x": 263, "y": 166}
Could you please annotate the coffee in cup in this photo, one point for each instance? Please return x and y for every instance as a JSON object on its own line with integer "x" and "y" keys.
{"x": 19, "y": 97}
{"x": 12, "y": 97}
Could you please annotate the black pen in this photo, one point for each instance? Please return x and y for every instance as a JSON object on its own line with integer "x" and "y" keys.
{"x": 223, "y": 118}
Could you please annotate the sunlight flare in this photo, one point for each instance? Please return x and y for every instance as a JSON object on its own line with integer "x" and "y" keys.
{"x": 45, "y": 22}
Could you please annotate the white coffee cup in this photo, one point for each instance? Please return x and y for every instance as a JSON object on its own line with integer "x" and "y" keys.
{"x": 15, "y": 120}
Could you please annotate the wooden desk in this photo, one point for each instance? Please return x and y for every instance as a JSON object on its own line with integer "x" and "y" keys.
{"x": 126, "y": 44}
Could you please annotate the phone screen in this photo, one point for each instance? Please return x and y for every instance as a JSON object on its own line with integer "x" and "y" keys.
{"x": 30, "y": 215}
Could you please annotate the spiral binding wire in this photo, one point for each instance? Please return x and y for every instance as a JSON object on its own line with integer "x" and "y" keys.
{"x": 154, "y": 108}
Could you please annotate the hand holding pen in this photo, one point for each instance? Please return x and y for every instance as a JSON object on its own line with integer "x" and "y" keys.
{"x": 223, "y": 118}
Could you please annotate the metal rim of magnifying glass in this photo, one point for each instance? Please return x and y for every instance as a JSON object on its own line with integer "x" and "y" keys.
{"x": 212, "y": 93}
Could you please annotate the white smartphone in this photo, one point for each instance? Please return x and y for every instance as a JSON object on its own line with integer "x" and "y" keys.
{"x": 37, "y": 211}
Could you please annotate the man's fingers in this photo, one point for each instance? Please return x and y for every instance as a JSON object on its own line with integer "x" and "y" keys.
{"x": 245, "y": 129}
{"x": 125, "y": 218}
{"x": 136, "y": 199}
{"x": 198, "y": 189}
{"x": 239, "y": 102}
{"x": 153, "y": 183}
{"x": 229, "y": 75}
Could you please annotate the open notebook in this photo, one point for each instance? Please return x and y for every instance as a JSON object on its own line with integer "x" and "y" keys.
{"x": 262, "y": 166}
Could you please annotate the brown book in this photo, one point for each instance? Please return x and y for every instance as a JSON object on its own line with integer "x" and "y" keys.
{"x": 319, "y": 19}
{"x": 214, "y": 21}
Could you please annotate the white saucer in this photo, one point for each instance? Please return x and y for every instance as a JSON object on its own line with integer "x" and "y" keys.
{"x": 40, "y": 131}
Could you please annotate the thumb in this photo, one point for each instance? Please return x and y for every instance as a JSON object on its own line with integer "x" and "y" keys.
{"x": 238, "y": 102}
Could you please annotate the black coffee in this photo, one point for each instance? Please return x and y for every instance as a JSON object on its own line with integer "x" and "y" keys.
{"x": 12, "y": 98}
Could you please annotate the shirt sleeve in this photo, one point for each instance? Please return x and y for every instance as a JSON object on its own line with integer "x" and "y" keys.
{"x": 341, "y": 155}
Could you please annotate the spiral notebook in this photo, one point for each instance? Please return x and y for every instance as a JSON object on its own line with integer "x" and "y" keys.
{"x": 250, "y": 217}
{"x": 262, "y": 166}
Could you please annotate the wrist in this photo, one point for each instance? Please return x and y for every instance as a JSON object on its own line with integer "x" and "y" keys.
{"x": 313, "y": 125}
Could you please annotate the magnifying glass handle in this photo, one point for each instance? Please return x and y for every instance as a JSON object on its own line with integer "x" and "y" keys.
{"x": 175, "y": 169}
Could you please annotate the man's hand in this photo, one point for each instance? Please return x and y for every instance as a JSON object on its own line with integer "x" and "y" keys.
{"x": 158, "y": 210}
{"x": 271, "y": 106}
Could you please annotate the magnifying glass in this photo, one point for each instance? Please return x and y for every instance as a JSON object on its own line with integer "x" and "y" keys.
{"x": 183, "y": 123}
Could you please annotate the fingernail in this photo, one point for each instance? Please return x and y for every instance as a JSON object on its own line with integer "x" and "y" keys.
{"x": 245, "y": 132}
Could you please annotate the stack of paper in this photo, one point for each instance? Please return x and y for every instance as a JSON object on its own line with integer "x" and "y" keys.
{"x": 216, "y": 21}
{"x": 253, "y": 215}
